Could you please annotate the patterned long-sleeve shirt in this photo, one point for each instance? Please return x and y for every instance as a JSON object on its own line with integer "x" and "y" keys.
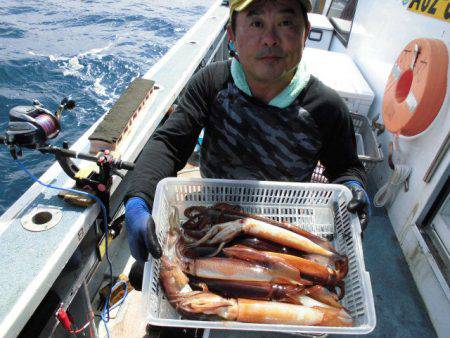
{"x": 246, "y": 138}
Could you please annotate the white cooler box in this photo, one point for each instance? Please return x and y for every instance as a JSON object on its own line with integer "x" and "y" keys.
{"x": 338, "y": 71}
{"x": 321, "y": 32}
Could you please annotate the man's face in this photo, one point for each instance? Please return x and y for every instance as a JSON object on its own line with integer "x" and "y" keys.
{"x": 270, "y": 37}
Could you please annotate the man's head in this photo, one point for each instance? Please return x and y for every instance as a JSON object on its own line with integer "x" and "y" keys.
{"x": 269, "y": 36}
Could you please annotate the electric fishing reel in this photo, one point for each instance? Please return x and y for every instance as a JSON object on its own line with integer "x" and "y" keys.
{"x": 32, "y": 126}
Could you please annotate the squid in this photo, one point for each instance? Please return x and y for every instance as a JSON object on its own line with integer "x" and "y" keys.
{"x": 258, "y": 311}
{"x": 239, "y": 270}
{"x": 316, "y": 272}
{"x": 225, "y": 232}
{"x": 269, "y": 291}
{"x": 255, "y": 290}
{"x": 198, "y": 304}
{"x": 202, "y": 218}
{"x": 173, "y": 279}
{"x": 204, "y": 250}
{"x": 260, "y": 244}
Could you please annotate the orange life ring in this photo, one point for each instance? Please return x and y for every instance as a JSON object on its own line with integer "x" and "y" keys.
{"x": 416, "y": 88}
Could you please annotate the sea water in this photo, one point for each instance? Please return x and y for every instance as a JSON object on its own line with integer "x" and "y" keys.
{"x": 88, "y": 50}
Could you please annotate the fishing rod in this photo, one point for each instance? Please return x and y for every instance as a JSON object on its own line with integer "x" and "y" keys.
{"x": 33, "y": 126}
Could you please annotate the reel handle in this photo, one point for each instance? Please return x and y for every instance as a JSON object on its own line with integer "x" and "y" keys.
{"x": 65, "y": 104}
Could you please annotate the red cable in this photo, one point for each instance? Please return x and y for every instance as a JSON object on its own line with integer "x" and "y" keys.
{"x": 66, "y": 322}
{"x": 63, "y": 318}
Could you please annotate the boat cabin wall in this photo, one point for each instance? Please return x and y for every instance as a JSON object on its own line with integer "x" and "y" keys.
{"x": 381, "y": 29}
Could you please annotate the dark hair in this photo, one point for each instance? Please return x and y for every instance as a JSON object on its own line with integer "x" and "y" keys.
{"x": 234, "y": 15}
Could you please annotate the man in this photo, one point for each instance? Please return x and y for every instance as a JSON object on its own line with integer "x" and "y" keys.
{"x": 265, "y": 118}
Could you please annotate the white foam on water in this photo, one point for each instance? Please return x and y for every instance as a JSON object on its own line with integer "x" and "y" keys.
{"x": 55, "y": 58}
{"x": 106, "y": 104}
{"x": 95, "y": 51}
{"x": 74, "y": 63}
{"x": 51, "y": 57}
{"x": 67, "y": 71}
{"x": 72, "y": 68}
{"x": 99, "y": 89}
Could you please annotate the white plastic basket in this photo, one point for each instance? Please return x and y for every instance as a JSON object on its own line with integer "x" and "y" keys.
{"x": 319, "y": 208}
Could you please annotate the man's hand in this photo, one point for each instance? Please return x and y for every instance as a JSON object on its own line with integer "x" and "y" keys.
{"x": 359, "y": 203}
{"x": 141, "y": 230}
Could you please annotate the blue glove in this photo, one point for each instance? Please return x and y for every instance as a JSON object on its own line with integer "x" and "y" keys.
{"x": 360, "y": 203}
{"x": 141, "y": 230}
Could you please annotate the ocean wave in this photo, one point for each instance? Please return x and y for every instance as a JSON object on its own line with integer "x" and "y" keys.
{"x": 9, "y": 31}
{"x": 14, "y": 10}
{"x": 85, "y": 20}
{"x": 96, "y": 51}
{"x": 72, "y": 67}
{"x": 99, "y": 89}
{"x": 75, "y": 63}
{"x": 88, "y": 50}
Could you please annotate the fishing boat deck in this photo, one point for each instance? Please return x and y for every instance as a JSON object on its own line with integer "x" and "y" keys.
{"x": 399, "y": 307}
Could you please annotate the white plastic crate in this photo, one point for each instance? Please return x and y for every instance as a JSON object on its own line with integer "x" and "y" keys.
{"x": 319, "y": 208}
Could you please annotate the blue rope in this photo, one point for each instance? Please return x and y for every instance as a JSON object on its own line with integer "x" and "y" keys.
{"x": 104, "y": 315}
{"x": 105, "y": 312}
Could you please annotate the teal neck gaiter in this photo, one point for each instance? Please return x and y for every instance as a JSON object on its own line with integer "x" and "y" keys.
{"x": 287, "y": 95}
